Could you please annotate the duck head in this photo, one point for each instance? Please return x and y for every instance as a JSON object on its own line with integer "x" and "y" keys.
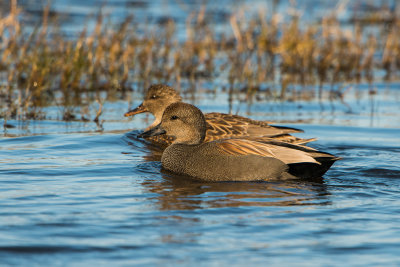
{"x": 185, "y": 122}
{"x": 157, "y": 98}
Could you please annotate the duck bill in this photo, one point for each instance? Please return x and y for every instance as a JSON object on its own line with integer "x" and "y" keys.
{"x": 138, "y": 110}
{"x": 156, "y": 130}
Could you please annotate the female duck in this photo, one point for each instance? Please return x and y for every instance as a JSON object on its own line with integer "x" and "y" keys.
{"x": 218, "y": 125}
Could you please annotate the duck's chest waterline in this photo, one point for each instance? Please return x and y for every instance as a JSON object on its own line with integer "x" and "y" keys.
{"x": 205, "y": 162}
{"x": 176, "y": 158}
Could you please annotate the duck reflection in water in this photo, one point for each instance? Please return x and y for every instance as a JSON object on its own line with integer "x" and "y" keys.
{"x": 177, "y": 192}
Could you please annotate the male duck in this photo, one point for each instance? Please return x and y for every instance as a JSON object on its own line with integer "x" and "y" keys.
{"x": 231, "y": 159}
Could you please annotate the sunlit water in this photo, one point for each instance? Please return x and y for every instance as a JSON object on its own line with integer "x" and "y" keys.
{"x": 72, "y": 196}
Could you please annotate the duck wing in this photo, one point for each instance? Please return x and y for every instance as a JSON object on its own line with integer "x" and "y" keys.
{"x": 318, "y": 155}
{"x": 161, "y": 140}
{"x": 287, "y": 138}
{"x": 287, "y": 154}
{"x": 220, "y": 125}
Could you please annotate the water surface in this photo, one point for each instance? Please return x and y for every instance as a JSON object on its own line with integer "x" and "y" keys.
{"x": 101, "y": 198}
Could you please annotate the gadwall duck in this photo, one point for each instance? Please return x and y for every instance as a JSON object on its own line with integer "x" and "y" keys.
{"x": 218, "y": 125}
{"x": 231, "y": 159}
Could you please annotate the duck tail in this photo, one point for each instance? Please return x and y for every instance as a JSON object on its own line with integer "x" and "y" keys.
{"x": 308, "y": 170}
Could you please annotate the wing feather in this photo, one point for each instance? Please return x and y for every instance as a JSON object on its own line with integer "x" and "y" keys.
{"x": 227, "y": 125}
{"x": 288, "y": 155}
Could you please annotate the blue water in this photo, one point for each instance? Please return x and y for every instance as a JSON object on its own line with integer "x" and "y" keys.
{"x": 74, "y": 194}
{"x": 84, "y": 199}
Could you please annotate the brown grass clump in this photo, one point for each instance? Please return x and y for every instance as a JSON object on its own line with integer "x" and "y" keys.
{"x": 41, "y": 67}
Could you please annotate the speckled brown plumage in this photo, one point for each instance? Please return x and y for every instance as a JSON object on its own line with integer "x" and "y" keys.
{"x": 219, "y": 125}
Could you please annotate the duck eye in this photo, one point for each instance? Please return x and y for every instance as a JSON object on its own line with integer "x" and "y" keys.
{"x": 153, "y": 97}
{"x": 174, "y": 118}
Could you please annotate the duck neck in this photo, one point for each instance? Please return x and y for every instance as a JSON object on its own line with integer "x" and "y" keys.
{"x": 192, "y": 139}
{"x": 155, "y": 122}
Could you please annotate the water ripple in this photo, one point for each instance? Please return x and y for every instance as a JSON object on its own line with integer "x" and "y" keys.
{"x": 87, "y": 198}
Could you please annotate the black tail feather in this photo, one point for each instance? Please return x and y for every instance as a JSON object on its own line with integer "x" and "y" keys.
{"x": 309, "y": 170}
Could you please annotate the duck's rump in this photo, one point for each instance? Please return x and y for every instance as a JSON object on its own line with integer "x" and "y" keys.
{"x": 308, "y": 170}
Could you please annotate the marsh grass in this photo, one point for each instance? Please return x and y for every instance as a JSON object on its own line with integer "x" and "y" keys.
{"x": 40, "y": 67}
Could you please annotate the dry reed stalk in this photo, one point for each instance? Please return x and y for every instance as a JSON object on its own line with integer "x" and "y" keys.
{"x": 40, "y": 62}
